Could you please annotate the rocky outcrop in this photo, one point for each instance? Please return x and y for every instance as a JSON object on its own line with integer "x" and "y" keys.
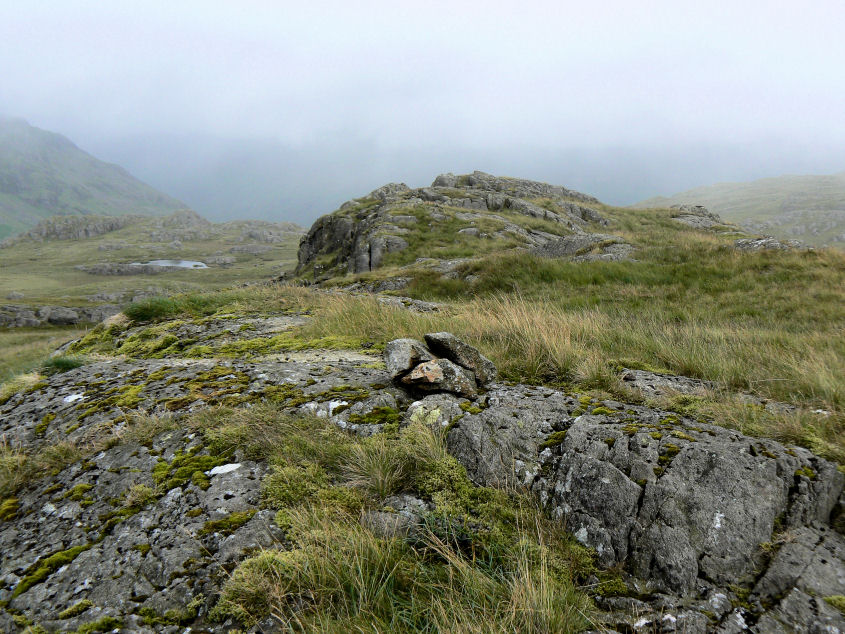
{"x": 697, "y": 216}
{"x": 766, "y": 243}
{"x": 16, "y": 316}
{"x": 689, "y": 508}
{"x": 588, "y": 247}
{"x": 711, "y": 530}
{"x": 358, "y": 237}
{"x": 73, "y": 228}
{"x": 130, "y": 268}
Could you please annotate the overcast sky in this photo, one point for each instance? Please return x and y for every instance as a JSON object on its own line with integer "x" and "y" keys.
{"x": 761, "y": 81}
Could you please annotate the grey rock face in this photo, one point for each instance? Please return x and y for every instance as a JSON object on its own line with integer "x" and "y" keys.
{"x": 581, "y": 247}
{"x": 445, "y": 344}
{"x": 12, "y": 316}
{"x": 680, "y": 503}
{"x": 696, "y": 216}
{"x": 766, "y": 244}
{"x": 654, "y": 384}
{"x": 808, "y": 566}
{"x": 358, "y": 236}
{"x": 63, "y": 316}
{"x": 120, "y": 268}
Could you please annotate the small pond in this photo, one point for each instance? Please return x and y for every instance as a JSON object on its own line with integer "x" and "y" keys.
{"x": 183, "y": 264}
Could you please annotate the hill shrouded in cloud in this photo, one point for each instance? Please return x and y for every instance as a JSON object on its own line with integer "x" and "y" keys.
{"x": 810, "y": 208}
{"x": 44, "y": 174}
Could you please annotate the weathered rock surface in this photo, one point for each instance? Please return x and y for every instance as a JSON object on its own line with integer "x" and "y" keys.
{"x": 441, "y": 375}
{"x": 16, "y": 316}
{"x": 697, "y": 216}
{"x": 402, "y": 355}
{"x": 689, "y": 507}
{"x": 445, "y": 344}
{"x": 766, "y": 244}
{"x": 123, "y": 268}
{"x": 587, "y": 247}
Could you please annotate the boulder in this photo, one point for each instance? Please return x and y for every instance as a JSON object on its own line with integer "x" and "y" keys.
{"x": 765, "y": 244}
{"x": 445, "y": 344}
{"x": 61, "y": 316}
{"x": 441, "y": 375}
{"x": 402, "y": 355}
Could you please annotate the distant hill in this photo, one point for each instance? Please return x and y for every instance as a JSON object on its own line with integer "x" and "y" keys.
{"x": 44, "y": 174}
{"x": 809, "y": 208}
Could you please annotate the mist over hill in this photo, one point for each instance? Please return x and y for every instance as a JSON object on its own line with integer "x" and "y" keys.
{"x": 44, "y": 174}
{"x": 267, "y": 178}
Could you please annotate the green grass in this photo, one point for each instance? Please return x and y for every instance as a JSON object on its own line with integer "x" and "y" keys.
{"x": 25, "y": 349}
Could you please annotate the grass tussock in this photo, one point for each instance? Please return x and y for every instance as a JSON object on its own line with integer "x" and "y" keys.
{"x": 19, "y": 468}
{"x": 59, "y": 364}
{"x": 480, "y": 558}
{"x": 340, "y": 577}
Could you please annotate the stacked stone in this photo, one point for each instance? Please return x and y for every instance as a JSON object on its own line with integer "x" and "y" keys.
{"x": 446, "y": 364}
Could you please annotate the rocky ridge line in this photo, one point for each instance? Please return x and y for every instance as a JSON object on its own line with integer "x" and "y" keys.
{"x": 362, "y": 232}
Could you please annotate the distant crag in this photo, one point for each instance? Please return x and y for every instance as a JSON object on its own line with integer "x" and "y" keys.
{"x": 476, "y": 210}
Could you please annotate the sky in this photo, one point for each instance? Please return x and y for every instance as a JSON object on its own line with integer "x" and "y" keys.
{"x": 285, "y": 109}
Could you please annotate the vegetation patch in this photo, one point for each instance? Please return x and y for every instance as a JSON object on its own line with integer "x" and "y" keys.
{"x": 9, "y": 509}
{"x": 105, "y": 624}
{"x": 186, "y": 466}
{"x": 57, "y": 365}
{"x": 837, "y": 601}
{"x": 474, "y": 533}
{"x": 228, "y": 524}
{"x": 76, "y": 609}
{"x": 554, "y": 439}
{"x": 46, "y": 566}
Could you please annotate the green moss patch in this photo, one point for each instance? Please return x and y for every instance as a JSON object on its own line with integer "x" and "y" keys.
{"x": 46, "y": 566}
{"x": 76, "y": 609}
{"x": 9, "y": 509}
{"x": 228, "y": 524}
{"x": 554, "y": 439}
{"x": 186, "y": 466}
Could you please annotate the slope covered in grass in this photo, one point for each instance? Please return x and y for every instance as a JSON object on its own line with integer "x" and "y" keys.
{"x": 809, "y": 208}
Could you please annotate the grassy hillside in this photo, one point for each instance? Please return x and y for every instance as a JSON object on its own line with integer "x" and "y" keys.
{"x": 44, "y": 270}
{"x": 807, "y": 208}
{"x": 43, "y": 174}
